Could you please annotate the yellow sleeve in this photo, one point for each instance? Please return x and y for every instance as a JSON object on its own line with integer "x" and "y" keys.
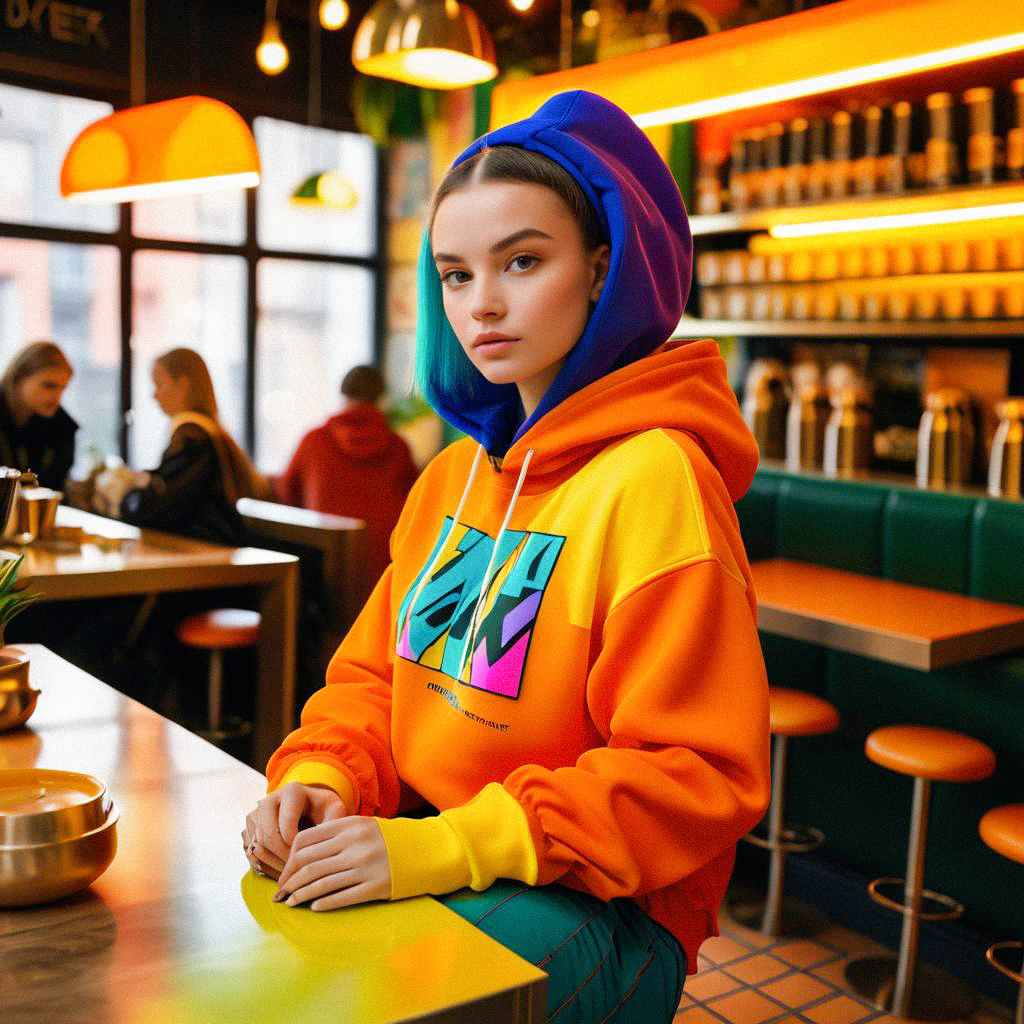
{"x": 318, "y": 773}
{"x": 472, "y": 845}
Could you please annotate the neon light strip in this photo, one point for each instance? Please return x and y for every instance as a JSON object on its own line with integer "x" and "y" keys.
{"x": 898, "y": 220}
{"x": 832, "y": 80}
{"x": 157, "y": 189}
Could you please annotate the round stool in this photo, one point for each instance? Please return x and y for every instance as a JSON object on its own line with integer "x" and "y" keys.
{"x": 1002, "y": 828}
{"x": 791, "y": 713}
{"x": 217, "y": 631}
{"x": 900, "y": 985}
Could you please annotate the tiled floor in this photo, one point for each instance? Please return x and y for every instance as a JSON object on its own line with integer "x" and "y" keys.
{"x": 746, "y": 978}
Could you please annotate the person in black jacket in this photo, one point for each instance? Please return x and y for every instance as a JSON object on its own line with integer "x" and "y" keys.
{"x": 35, "y": 431}
{"x": 203, "y": 472}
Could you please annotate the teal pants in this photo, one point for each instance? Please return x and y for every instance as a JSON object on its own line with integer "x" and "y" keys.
{"x": 606, "y": 962}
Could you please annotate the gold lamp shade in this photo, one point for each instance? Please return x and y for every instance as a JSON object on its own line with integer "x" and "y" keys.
{"x": 188, "y": 145}
{"x": 436, "y": 44}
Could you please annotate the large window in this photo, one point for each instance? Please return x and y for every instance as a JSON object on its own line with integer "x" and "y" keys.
{"x": 314, "y": 325}
{"x": 178, "y": 272}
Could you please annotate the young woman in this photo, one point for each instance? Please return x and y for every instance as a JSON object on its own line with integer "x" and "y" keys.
{"x": 35, "y": 432}
{"x": 562, "y": 661}
{"x": 203, "y": 472}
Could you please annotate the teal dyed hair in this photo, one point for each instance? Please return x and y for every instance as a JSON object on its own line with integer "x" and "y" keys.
{"x": 441, "y": 364}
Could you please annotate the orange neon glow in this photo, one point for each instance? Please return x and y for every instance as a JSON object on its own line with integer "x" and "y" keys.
{"x": 192, "y": 144}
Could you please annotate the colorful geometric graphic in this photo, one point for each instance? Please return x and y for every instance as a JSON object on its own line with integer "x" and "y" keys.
{"x": 437, "y": 632}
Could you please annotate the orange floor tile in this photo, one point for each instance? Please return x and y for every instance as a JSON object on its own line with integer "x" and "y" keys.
{"x": 745, "y": 978}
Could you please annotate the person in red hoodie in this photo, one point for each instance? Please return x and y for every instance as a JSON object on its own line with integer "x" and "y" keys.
{"x": 354, "y": 465}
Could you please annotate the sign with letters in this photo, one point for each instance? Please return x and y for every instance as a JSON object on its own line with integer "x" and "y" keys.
{"x": 47, "y": 35}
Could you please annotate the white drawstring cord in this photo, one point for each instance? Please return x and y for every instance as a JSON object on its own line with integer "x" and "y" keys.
{"x": 440, "y": 550}
{"x": 480, "y": 601}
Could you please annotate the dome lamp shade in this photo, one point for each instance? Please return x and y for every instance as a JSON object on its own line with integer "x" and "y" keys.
{"x": 176, "y": 147}
{"x": 435, "y": 44}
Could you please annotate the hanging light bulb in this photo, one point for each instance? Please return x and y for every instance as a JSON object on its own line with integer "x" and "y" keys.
{"x": 271, "y": 54}
{"x": 521, "y": 5}
{"x": 334, "y": 13}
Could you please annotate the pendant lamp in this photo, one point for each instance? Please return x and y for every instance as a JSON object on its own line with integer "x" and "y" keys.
{"x": 188, "y": 145}
{"x": 436, "y": 44}
{"x": 177, "y": 147}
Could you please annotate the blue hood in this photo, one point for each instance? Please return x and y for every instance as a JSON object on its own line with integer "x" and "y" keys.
{"x": 643, "y": 217}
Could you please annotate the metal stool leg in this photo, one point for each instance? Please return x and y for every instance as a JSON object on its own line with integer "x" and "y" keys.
{"x": 213, "y": 695}
{"x": 777, "y": 863}
{"x": 900, "y": 985}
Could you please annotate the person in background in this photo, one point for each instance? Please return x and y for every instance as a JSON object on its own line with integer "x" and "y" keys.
{"x": 354, "y": 465}
{"x": 36, "y": 433}
{"x": 562, "y": 660}
{"x": 202, "y": 472}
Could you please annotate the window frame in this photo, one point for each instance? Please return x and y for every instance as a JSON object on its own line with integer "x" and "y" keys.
{"x": 128, "y": 244}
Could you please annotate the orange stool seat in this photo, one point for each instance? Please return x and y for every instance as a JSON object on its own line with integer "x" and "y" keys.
{"x": 938, "y": 755}
{"x": 220, "y": 629}
{"x": 1002, "y": 828}
{"x": 795, "y": 713}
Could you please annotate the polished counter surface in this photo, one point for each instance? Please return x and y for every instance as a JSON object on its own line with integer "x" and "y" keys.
{"x": 177, "y": 929}
{"x": 906, "y": 625}
{"x": 94, "y": 557}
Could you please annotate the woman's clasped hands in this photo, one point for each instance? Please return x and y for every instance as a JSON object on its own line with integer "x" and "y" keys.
{"x": 339, "y": 860}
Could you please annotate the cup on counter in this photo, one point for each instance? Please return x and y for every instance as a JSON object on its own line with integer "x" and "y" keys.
{"x": 873, "y": 305}
{"x": 709, "y": 268}
{"x": 805, "y": 427}
{"x": 734, "y": 266}
{"x": 903, "y": 259}
{"x": 899, "y": 305}
{"x": 737, "y": 303}
{"x": 930, "y": 258}
{"x": 925, "y": 303}
{"x": 825, "y": 304}
{"x": 712, "y": 303}
{"x": 848, "y": 443}
{"x": 1011, "y": 252}
{"x": 945, "y": 440}
{"x": 33, "y": 514}
{"x": 983, "y": 302}
{"x": 780, "y": 302}
{"x": 876, "y": 261}
{"x": 826, "y": 264}
{"x": 956, "y": 256}
{"x": 1006, "y": 463}
{"x": 984, "y": 254}
{"x": 1011, "y": 301}
{"x": 851, "y": 305}
{"x": 760, "y": 302}
{"x": 765, "y": 402}
{"x": 776, "y": 266}
{"x": 953, "y": 302}
{"x": 852, "y": 262}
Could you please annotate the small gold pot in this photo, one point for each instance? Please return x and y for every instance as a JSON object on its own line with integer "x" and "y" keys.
{"x": 17, "y": 698}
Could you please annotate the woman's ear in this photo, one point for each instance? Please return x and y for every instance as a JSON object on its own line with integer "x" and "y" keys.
{"x": 600, "y": 258}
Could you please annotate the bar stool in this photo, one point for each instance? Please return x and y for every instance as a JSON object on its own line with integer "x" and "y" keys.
{"x": 903, "y": 987}
{"x": 217, "y": 631}
{"x": 791, "y": 713}
{"x": 1002, "y": 828}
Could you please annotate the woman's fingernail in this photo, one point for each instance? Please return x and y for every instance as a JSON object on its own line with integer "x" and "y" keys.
{"x": 291, "y": 901}
{"x": 279, "y": 895}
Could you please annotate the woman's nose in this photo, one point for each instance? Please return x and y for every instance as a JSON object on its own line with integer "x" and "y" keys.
{"x": 487, "y": 301}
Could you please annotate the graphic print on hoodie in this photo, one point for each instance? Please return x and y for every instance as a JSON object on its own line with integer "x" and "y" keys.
{"x": 614, "y": 688}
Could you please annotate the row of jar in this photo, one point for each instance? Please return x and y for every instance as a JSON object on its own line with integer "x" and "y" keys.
{"x": 865, "y": 301}
{"x": 816, "y": 263}
{"x": 814, "y": 427}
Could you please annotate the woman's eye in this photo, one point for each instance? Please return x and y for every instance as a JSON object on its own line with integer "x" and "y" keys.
{"x": 454, "y": 277}
{"x": 523, "y": 262}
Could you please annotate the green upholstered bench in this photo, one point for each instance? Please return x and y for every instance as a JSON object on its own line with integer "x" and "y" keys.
{"x": 965, "y": 544}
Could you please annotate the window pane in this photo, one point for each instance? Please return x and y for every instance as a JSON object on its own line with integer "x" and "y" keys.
{"x": 208, "y": 217}
{"x": 184, "y": 300}
{"x": 291, "y": 153}
{"x": 36, "y": 129}
{"x": 69, "y": 293}
{"x": 315, "y": 323}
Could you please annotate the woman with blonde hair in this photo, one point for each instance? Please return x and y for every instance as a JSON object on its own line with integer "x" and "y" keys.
{"x": 203, "y": 471}
{"x": 35, "y": 431}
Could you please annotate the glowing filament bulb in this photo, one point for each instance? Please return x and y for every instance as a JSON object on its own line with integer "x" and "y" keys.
{"x": 333, "y": 13}
{"x": 272, "y": 54}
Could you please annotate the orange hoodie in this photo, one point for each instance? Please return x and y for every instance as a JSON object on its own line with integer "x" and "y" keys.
{"x": 598, "y": 716}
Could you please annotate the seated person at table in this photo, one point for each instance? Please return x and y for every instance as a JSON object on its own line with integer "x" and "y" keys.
{"x": 562, "y": 659}
{"x": 354, "y": 465}
{"x": 35, "y": 431}
{"x": 202, "y": 472}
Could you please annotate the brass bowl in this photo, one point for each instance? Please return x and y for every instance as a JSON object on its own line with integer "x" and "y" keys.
{"x": 39, "y": 807}
{"x": 16, "y": 705}
{"x": 48, "y": 871}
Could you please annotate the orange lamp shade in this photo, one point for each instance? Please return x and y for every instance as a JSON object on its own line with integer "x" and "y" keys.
{"x": 188, "y": 145}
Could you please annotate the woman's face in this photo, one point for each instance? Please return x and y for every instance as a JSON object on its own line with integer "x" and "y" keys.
{"x": 171, "y": 393}
{"x": 516, "y": 280}
{"x": 40, "y": 393}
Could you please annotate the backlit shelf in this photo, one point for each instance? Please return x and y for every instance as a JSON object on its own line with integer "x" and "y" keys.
{"x": 694, "y": 328}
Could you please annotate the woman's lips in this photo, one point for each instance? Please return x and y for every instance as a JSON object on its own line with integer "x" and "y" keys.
{"x": 496, "y": 346}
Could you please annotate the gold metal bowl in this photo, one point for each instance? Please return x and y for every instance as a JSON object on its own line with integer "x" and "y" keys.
{"x": 16, "y": 706}
{"x": 39, "y": 806}
{"x": 44, "y": 873}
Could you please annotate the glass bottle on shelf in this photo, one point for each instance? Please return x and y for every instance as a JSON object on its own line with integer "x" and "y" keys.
{"x": 796, "y": 168}
{"x": 707, "y": 187}
{"x": 945, "y": 440}
{"x": 866, "y": 168}
{"x": 739, "y": 191}
{"x": 941, "y": 162}
{"x": 848, "y": 440}
{"x": 893, "y": 165}
{"x": 983, "y": 146}
{"x": 755, "y": 146}
{"x": 1015, "y": 137}
{"x": 840, "y": 152}
{"x": 817, "y": 160}
{"x": 772, "y": 178}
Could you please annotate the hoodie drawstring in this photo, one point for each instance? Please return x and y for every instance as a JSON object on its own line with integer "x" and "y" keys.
{"x": 481, "y": 600}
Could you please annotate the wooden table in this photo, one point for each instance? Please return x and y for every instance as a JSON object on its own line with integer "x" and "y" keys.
{"x": 895, "y": 622}
{"x": 177, "y": 929}
{"x": 116, "y": 559}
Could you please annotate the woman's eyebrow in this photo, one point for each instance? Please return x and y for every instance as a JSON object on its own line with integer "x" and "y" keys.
{"x": 516, "y": 236}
